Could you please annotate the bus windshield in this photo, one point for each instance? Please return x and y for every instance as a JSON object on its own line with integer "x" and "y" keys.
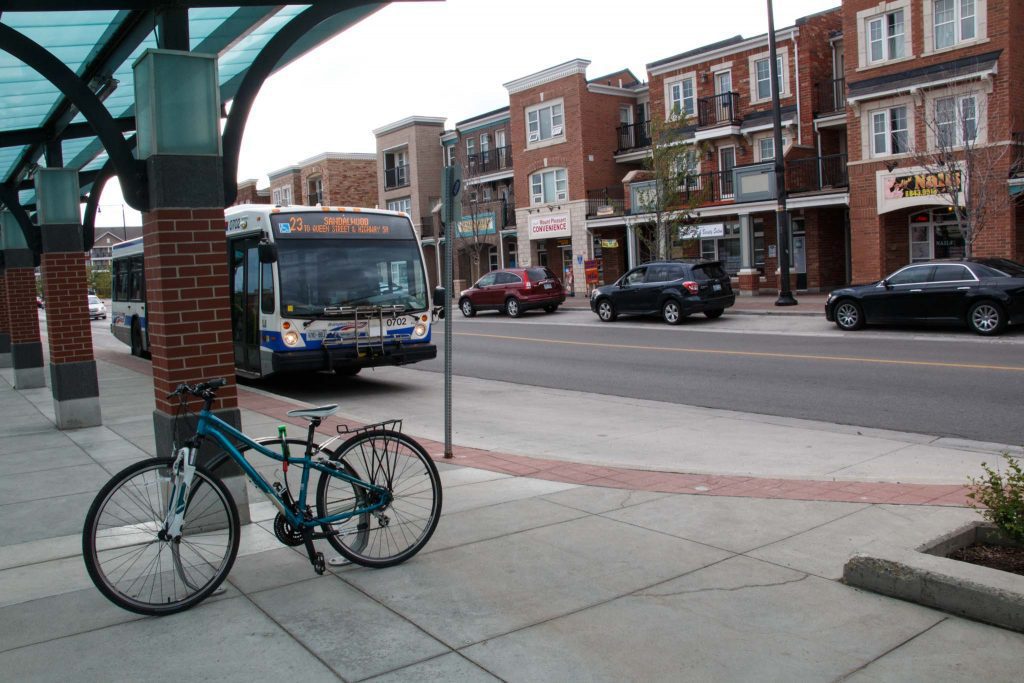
{"x": 341, "y": 271}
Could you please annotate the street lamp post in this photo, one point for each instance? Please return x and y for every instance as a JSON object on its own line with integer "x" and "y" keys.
{"x": 781, "y": 214}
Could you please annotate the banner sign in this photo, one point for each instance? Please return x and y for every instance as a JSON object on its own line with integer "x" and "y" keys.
{"x": 477, "y": 224}
{"x": 709, "y": 230}
{"x": 552, "y": 225}
{"x": 918, "y": 187}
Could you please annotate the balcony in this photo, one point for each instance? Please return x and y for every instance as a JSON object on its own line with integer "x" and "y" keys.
{"x": 634, "y": 136}
{"x": 490, "y": 161}
{"x": 720, "y": 110}
{"x": 606, "y": 201}
{"x": 396, "y": 177}
{"x": 817, "y": 174}
{"x": 830, "y": 97}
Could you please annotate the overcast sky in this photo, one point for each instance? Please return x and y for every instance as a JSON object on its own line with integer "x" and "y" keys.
{"x": 450, "y": 59}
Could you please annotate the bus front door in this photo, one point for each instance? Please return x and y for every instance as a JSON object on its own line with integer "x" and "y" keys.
{"x": 245, "y": 303}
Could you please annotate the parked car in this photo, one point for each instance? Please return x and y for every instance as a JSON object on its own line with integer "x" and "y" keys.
{"x": 96, "y": 308}
{"x": 513, "y": 291}
{"x": 984, "y": 294}
{"x": 671, "y": 289}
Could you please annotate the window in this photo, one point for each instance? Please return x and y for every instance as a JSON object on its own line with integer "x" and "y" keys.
{"x": 766, "y": 147}
{"x": 136, "y": 281}
{"x": 286, "y": 196}
{"x": 267, "y": 288}
{"x": 912, "y": 275}
{"x": 889, "y": 131}
{"x": 404, "y": 204}
{"x": 549, "y": 186}
{"x": 450, "y": 150}
{"x": 956, "y": 121}
{"x": 277, "y": 196}
{"x": 949, "y": 272}
{"x": 544, "y": 123}
{"x": 486, "y": 280}
{"x": 955, "y": 22}
{"x": 635, "y": 277}
{"x": 886, "y": 34}
{"x": 470, "y": 147}
{"x": 485, "y": 143}
{"x": 485, "y": 193}
{"x": 682, "y": 97}
{"x": 762, "y": 68}
{"x": 492, "y": 259}
{"x": 499, "y": 139}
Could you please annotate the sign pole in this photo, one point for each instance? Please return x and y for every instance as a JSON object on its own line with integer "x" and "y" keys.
{"x": 781, "y": 213}
{"x": 451, "y": 188}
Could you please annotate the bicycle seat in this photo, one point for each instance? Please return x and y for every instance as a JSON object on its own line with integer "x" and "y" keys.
{"x": 319, "y": 412}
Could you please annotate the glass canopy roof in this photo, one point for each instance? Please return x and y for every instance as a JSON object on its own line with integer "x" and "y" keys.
{"x": 32, "y": 109}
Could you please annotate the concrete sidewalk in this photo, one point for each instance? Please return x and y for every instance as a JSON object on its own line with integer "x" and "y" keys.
{"x": 528, "y": 578}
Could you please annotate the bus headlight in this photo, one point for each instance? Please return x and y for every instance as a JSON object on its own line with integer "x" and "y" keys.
{"x": 291, "y": 338}
{"x": 421, "y": 329}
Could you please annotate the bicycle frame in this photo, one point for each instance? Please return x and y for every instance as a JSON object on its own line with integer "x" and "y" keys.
{"x": 212, "y": 426}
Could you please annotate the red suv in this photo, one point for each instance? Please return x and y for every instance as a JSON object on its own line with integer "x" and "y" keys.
{"x": 513, "y": 291}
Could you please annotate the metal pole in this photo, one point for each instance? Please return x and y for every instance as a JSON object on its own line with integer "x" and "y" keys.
{"x": 452, "y": 188}
{"x": 781, "y": 214}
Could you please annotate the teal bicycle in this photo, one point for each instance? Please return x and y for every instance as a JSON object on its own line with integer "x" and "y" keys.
{"x": 162, "y": 534}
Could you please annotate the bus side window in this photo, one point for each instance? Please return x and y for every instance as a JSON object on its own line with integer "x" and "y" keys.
{"x": 267, "y": 288}
{"x": 135, "y": 279}
{"x": 121, "y": 289}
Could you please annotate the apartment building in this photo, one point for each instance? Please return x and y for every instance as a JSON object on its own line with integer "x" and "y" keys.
{"x": 486, "y": 237}
{"x": 563, "y": 133}
{"x": 934, "y": 117}
{"x": 249, "y": 194}
{"x": 329, "y": 178}
{"x": 409, "y": 165}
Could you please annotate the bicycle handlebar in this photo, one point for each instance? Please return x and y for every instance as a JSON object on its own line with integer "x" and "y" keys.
{"x": 205, "y": 391}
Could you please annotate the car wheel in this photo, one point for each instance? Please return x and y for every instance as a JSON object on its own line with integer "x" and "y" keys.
{"x": 986, "y": 318}
{"x": 466, "y": 306}
{"x": 714, "y": 313}
{"x": 671, "y": 312}
{"x": 551, "y": 308}
{"x": 606, "y": 311}
{"x": 512, "y": 307}
{"x": 849, "y": 315}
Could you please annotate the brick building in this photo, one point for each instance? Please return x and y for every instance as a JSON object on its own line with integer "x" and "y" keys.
{"x": 563, "y": 132}
{"x": 486, "y": 237}
{"x": 330, "y": 178}
{"x": 931, "y": 103}
{"x": 409, "y": 164}
{"x": 248, "y": 194}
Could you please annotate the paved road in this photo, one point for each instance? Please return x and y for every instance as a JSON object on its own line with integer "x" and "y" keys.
{"x": 946, "y": 383}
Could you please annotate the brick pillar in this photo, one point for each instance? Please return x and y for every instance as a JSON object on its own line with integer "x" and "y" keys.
{"x": 26, "y": 349}
{"x": 73, "y": 379}
{"x": 5, "y": 322}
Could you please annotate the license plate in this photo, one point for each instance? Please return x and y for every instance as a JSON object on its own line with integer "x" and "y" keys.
{"x": 315, "y": 335}
{"x": 547, "y": 285}
{"x": 716, "y": 287}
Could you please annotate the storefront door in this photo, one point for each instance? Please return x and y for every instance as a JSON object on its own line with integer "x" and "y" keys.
{"x": 800, "y": 260}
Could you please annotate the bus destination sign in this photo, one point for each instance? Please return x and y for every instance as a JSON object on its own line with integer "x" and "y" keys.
{"x": 350, "y": 225}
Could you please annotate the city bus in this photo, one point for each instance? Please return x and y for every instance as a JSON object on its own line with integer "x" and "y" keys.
{"x": 311, "y": 289}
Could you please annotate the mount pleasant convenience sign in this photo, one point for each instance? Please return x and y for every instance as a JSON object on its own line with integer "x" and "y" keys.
{"x": 552, "y": 225}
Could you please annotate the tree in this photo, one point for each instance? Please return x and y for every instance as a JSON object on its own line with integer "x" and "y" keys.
{"x": 963, "y": 166}
{"x": 98, "y": 281}
{"x": 472, "y": 235}
{"x": 674, "y": 189}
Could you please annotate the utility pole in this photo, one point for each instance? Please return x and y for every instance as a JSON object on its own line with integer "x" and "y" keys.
{"x": 451, "y": 190}
{"x": 781, "y": 214}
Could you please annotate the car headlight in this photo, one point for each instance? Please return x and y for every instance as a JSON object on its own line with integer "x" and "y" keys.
{"x": 291, "y": 338}
{"x": 420, "y": 330}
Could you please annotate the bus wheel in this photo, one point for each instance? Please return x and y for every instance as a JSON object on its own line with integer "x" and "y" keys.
{"x": 137, "y": 349}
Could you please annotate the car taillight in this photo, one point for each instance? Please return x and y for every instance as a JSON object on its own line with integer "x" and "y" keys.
{"x": 691, "y": 286}
{"x": 529, "y": 285}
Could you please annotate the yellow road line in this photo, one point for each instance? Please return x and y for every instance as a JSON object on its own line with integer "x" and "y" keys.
{"x": 754, "y": 354}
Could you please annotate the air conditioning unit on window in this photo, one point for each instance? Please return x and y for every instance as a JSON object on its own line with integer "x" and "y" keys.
{"x": 557, "y": 130}
{"x": 534, "y": 137}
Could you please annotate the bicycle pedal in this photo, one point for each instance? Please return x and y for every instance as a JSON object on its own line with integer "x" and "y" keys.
{"x": 318, "y": 564}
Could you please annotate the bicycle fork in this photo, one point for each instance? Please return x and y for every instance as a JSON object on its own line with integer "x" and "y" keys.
{"x": 183, "y": 471}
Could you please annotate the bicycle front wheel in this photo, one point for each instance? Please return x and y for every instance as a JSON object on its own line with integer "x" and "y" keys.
{"x": 132, "y": 566}
{"x": 397, "y": 531}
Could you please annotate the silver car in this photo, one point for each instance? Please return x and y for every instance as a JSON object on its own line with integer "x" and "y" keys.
{"x": 96, "y": 308}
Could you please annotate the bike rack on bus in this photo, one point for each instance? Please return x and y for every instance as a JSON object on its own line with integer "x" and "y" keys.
{"x": 368, "y": 345}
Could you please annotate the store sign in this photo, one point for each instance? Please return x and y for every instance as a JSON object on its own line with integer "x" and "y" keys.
{"x": 919, "y": 187}
{"x": 609, "y": 244}
{"x": 478, "y": 224}
{"x": 695, "y": 232}
{"x": 542, "y": 227}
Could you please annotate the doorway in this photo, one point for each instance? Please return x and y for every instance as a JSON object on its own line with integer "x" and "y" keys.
{"x": 245, "y": 303}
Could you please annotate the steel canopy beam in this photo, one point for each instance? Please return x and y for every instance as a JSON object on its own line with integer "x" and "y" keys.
{"x": 129, "y": 170}
{"x": 74, "y": 131}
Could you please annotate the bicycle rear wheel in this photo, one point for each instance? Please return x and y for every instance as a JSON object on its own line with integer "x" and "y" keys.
{"x": 136, "y": 570}
{"x": 397, "y": 531}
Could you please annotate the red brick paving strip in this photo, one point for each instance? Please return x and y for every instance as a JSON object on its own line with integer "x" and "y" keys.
{"x": 621, "y": 477}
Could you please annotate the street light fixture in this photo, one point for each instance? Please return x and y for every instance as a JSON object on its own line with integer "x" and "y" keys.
{"x": 781, "y": 214}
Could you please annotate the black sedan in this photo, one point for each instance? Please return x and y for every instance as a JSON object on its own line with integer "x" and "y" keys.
{"x": 671, "y": 289}
{"x": 984, "y": 294}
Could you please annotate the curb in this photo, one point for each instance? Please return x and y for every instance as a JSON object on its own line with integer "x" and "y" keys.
{"x": 967, "y": 590}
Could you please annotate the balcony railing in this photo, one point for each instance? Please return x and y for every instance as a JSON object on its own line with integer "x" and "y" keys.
{"x": 720, "y": 110}
{"x": 606, "y": 201}
{"x": 829, "y": 96}
{"x": 396, "y": 176}
{"x": 634, "y": 136}
{"x": 814, "y": 174}
{"x": 490, "y": 161}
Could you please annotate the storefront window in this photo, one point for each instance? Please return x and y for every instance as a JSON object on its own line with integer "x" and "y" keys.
{"x": 935, "y": 233}
{"x": 725, "y": 248}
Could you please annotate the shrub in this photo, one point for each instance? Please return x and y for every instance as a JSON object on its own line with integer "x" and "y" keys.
{"x": 1003, "y": 497}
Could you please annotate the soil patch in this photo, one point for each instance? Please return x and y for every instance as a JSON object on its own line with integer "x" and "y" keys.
{"x": 1003, "y": 557}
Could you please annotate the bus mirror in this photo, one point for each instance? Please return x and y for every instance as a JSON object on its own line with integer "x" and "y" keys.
{"x": 439, "y": 295}
{"x": 268, "y": 252}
